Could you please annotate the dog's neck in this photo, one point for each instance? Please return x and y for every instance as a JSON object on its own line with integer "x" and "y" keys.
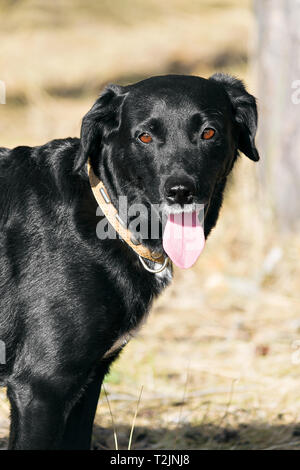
{"x": 119, "y": 225}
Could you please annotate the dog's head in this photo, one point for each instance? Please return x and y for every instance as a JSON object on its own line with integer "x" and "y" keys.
{"x": 169, "y": 141}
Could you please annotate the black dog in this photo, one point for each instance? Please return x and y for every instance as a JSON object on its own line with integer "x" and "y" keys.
{"x": 67, "y": 297}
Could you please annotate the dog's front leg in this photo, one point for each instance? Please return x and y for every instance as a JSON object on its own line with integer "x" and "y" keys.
{"x": 79, "y": 425}
{"x": 37, "y": 417}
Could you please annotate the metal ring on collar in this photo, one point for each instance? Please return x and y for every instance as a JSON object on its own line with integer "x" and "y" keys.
{"x": 154, "y": 271}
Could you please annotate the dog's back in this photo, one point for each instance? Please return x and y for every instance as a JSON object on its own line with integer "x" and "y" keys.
{"x": 33, "y": 253}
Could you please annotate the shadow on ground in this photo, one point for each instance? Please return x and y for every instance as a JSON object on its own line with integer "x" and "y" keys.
{"x": 207, "y": 436}
{"x": 202, "y": 437}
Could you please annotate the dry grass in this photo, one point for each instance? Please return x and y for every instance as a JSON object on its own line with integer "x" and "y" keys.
{"x": 218, "y": 357}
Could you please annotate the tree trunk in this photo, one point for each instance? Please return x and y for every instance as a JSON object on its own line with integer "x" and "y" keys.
{"x": 277, "y": 65}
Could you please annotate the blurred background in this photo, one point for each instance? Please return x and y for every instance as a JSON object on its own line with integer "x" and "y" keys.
{"x": 218, "y": 361}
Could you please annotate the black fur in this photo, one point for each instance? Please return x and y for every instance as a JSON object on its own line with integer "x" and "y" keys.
{"x": 65, "y": 295}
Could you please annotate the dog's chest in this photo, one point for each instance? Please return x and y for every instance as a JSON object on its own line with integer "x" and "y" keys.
{"x": 161, "y": 279}
{"x": 122, "y": 340}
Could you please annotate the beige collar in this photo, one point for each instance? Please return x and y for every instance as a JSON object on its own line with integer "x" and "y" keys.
{"x": 115, "y": 220}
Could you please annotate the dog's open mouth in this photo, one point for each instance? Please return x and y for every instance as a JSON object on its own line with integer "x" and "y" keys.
{"x": 183, "y": 237}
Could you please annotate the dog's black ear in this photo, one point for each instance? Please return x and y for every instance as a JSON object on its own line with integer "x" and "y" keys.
{"x": 102, "y": 117}
{"x": 245, "y": 112}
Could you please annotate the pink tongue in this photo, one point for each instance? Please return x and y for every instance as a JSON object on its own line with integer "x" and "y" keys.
{"x": 183, "y": 238}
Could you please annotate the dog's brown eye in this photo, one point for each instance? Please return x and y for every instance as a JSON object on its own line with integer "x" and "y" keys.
{"x": 208, "y": 133}
{"x": 145, "y": 138}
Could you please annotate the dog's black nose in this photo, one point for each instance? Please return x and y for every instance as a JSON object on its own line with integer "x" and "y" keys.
{"x": 180, "y": 190}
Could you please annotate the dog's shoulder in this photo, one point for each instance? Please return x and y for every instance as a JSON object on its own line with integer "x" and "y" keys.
{"x": 26, "y": 171}
{"x": 22, "y": 157}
